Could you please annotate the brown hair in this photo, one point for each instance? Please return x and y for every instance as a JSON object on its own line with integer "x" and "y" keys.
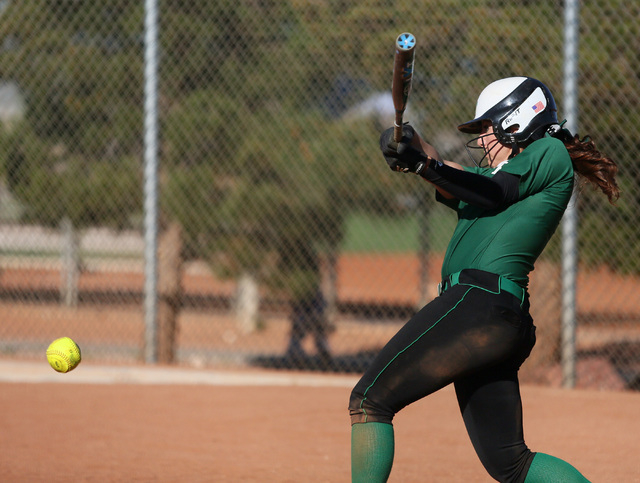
{"x": 593, "y": 166}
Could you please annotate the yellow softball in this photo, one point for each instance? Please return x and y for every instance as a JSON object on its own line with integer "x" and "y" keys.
{"x": 64, "y": 354}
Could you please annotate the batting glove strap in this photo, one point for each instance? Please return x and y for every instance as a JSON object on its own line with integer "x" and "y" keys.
{"x": 426, "y": 167}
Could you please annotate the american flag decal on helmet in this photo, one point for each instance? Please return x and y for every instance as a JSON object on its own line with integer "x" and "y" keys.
{"x": 538, "y": 106}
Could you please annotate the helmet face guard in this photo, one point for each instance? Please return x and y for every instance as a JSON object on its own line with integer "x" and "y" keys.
{"x": 521, "y": 109}
{"x": 476, "y": 144}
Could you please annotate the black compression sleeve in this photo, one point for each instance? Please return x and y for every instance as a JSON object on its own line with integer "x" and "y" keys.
{"x": 475, "y": 189}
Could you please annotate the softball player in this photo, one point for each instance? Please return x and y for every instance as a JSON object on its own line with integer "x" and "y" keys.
{"x": 478, "y": 331}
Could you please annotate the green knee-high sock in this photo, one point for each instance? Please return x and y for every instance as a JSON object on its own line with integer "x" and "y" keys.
{"x": 372, "y": 447}
{"x": 549, "y": 469}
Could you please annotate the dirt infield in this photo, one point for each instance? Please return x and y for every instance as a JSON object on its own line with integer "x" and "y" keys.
{"x": 283, "y": 429}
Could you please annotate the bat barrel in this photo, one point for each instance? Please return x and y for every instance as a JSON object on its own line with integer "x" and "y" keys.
{"x": 402, "y": 77}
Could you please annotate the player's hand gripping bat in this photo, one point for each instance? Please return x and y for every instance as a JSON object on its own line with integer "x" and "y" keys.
{"x": 402, "y": 77}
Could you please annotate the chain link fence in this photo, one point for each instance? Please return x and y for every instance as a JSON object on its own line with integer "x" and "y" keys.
{"x": 284, "y": 240}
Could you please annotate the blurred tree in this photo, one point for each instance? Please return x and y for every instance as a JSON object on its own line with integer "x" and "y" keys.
{"x": 255, "y": 149}
{"x": 252, "y": 197}
{"x": 76, "y": 153}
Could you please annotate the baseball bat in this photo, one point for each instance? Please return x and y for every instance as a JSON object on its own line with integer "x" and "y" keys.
{"x": 402, "y": 77}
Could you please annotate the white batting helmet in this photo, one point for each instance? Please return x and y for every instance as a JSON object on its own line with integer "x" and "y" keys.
{"x": 520, "y": 108}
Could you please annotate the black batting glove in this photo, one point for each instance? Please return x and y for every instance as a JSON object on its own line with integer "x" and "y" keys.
{"x": 402, "y": 156}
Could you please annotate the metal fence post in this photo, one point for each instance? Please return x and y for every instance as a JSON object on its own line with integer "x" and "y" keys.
{"x": 570, "y": 220}
{"x": 151, "y": 178}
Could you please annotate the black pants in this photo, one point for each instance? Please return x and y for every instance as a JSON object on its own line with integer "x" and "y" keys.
{"x": 471, "y": 336}
{"x": 308, "y": 316}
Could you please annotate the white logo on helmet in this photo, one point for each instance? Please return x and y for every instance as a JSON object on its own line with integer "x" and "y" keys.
{"x": 524, "y": 114}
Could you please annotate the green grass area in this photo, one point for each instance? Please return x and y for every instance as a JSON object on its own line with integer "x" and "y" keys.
{"x": 369, "y": 233}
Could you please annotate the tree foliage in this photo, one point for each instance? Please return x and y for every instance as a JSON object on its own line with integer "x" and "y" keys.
{"x": 258, "y": 160}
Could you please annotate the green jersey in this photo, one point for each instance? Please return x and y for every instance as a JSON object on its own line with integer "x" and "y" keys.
{"x": 507, "y": 241}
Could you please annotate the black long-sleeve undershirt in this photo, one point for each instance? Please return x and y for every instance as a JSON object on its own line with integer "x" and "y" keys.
{"x": 491, "y": 193}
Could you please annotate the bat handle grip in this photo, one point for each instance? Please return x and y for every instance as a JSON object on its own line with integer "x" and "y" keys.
{"x": 397, "y": 128}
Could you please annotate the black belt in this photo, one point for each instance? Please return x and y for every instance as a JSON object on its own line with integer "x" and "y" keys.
{"x": 484, "y": 280}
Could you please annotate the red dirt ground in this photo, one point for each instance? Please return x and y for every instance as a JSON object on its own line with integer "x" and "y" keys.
{"x": 205, "y": 433}
{"x": 98, "y": 432}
